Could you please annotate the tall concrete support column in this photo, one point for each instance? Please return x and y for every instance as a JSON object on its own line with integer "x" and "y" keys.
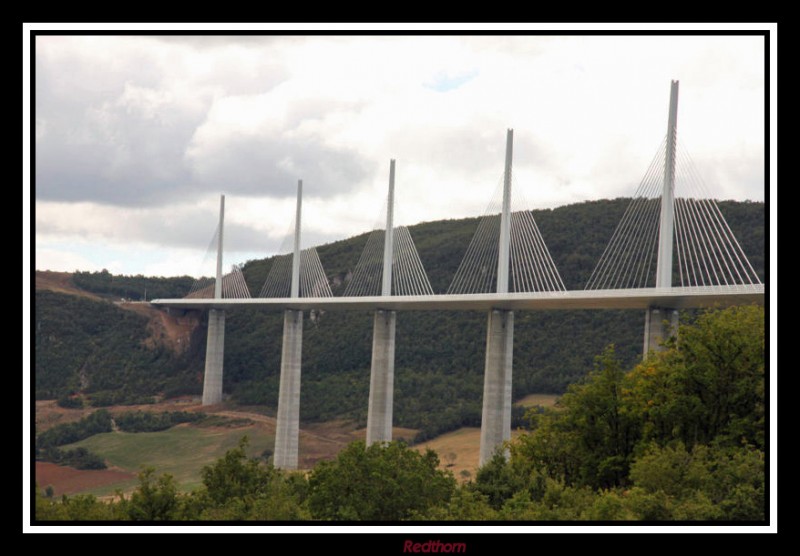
{"x": 654, "y": 332}
{"x": 215, "y": 351}
{"x": 659, "y": 325}
{"x": 381, "y": 384}
{"x": 287, "y": 435}
{"x": 381, "y": 381}
{"x": 496, "y": 418}
{"x": 215, "y": 343}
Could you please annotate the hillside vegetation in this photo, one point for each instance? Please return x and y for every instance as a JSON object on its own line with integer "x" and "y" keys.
{"x": 88, "y": 346}
{"x": 100, "y": 350}
{"x": 680, "y": 436}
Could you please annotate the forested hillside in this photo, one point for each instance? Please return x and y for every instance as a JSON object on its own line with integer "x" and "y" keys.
{"x": 98, "y": 349}
{"x": 439, "y": 357}
{"x": 135, "y": 288}
{"x": 679, "y": 437}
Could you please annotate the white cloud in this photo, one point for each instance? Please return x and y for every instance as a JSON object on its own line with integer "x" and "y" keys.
{"x": 63, "y": 261}
{"x": 137, "y": 136}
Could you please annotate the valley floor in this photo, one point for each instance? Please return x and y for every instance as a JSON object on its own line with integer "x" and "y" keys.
{"x": 185, "y": 449}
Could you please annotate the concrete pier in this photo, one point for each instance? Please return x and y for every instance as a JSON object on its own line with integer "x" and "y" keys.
{"x": 215, "y": 351}
{"x": 496, "y": 419}
{"x": 659, "y": 325}
{"x": 215, "y": 344}
{"x": 381, "y": 380}
{"x": 381, "y": 384}
{"x": 287, "y": 435}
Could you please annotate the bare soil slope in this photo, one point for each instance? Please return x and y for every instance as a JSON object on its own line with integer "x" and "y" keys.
{"x": 68, "y": 480}
{"x": 60, "y": 282}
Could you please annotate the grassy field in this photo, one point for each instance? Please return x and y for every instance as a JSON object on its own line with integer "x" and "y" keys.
{"x": 544, "y": 400}
{"x": 181, "y": 451}
{"x": 184, "y": 450}
{"x": 464, "y": 444}
{"x": 459, "y": 450}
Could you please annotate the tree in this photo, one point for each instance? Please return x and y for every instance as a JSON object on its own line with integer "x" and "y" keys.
{"x": 236, "y": 476}
{"x": 240, "y": 488}
{"x": 708, "y": 482}
{"x": 720, "y": 365}
{"x": 156, "y": 498}
{"x": 591, "y": 439}
{"x": 709, "y": 386}
{"x": 679, "y": 437}
{"x": 380, "y": 482}
{"x": 557, "y": 502}
{"x": 498, "y": 480}
{"x": 82, "y": 507}
{"x": 465, "y": 505}
{"x": 608, "y": 432}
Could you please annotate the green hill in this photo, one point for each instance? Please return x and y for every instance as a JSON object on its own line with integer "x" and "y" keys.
{"x": 439, "y": 355}
{"x": 96, "y": 348}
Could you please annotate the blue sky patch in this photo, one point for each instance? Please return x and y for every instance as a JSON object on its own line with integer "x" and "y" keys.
{"x": 443, "y": 83}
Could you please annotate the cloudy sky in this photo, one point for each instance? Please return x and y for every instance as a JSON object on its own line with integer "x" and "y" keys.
{"x": 137, "y": 136}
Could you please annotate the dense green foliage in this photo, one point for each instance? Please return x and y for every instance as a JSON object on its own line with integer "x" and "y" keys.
{"x": 128, "y": 396}
{"x": 79, "y": 458}
{"x": 132, "y": 287}
{"x": 439, "y": 355}
{"x": 70, "y": 402}
{"x": 378, "y": 483}
{"x": 82, "y": 507}
{"x": 82, "y": 345}
{"x": 67, "y": 433}
{"x": 681, "y": 436}
{"x": 47, "y": 443}
{"x": 240, "y": 488}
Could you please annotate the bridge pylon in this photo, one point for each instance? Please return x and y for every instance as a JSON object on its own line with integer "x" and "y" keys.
{"x": 287, "y": 433}
{"x": 215, "y": 343}
{"x": 655, "y": 329}
{"x": 381, "y": 381}
{"x": 496, "y": 415}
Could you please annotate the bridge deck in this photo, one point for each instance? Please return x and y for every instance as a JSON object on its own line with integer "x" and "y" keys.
{"x": 675, "y": 298}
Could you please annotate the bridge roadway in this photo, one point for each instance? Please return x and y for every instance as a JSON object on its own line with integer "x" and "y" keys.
{"x": 643, "y": 298}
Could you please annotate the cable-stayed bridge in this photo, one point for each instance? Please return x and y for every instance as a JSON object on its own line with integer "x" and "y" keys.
{"x": 671, "y": 250}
